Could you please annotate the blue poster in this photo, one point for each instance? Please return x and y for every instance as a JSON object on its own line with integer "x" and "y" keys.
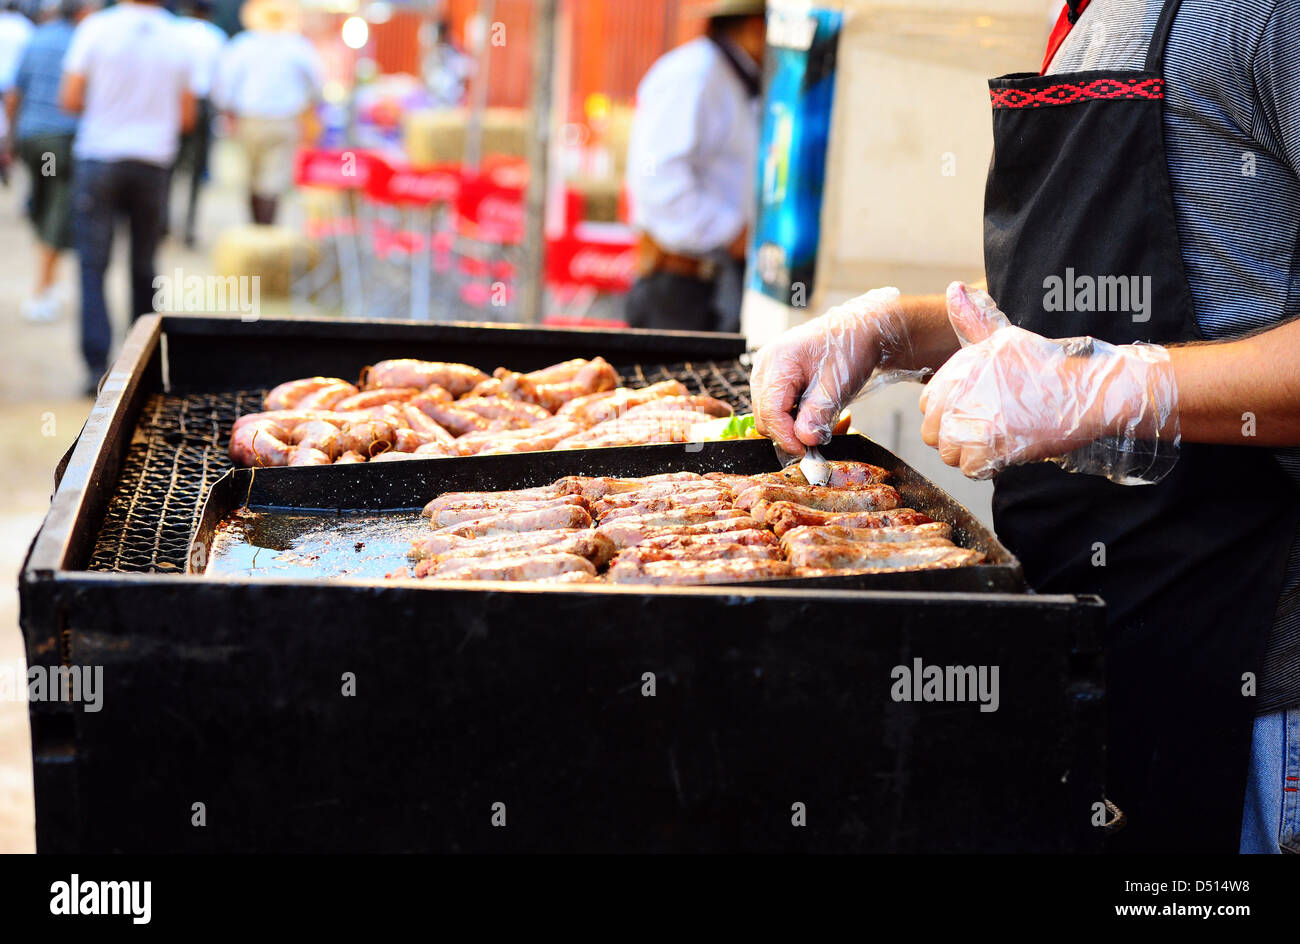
{"x": 799, "y": 91}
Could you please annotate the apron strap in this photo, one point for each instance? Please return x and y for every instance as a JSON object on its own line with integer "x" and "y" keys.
{"x": 1160, "y": 38}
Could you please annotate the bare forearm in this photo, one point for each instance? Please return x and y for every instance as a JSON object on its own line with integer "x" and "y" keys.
{"x": 928, "y": 336}
{"x": 1243, "y": 392}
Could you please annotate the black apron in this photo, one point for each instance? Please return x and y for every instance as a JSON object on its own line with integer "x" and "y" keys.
{"x": 1193, "y": 566}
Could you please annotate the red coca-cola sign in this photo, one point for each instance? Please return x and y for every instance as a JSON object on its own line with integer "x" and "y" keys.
{"x": 604, "y": 266}
{"x": 332, "y": 169}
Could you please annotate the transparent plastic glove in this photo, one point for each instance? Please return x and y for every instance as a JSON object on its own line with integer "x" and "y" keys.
{"x": 1011, "y": 396}
{"x": 803, "y": 380}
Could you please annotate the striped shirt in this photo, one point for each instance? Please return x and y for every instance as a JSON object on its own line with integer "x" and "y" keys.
{"x": 40, "y": 71}
{"x": 1232, "y": 140}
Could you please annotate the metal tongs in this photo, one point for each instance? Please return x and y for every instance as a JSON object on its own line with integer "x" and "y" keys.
{"x": 814, "y": 468}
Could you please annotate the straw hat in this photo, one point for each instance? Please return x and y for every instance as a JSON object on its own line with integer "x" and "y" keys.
{"x": 271, "y": 16}
{"x": 717, "y": 8}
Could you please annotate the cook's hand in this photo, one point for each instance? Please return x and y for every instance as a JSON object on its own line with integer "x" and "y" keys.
{"x": 1011, "y": 396}
{"x": 821, "y": 367}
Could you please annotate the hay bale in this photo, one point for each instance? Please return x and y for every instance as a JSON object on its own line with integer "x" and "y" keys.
{"x": 272, "y": 253}
{"x": 433, "y": 137}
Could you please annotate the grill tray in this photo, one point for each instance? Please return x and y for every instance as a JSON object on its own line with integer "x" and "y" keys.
{"x": 394, "y": 488}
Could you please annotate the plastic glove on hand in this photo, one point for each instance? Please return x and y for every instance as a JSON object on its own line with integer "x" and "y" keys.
{"x": 822, "y": 366}
{"x": 1011, "y": 396}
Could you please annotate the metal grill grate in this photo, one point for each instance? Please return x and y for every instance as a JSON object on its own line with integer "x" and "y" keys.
{"x": 178, "y": 451}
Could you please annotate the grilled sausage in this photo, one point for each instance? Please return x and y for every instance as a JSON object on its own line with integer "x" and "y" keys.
{"x": 327, "y": 397}
{"x": 782, "y": 516}
{"x": 936, "y": 532}
{"x": 685, "y": 573}
{"x": 452, "y": 499}
{"x": 629, "y": 533}
{"x": 859, "y": 557}
{"x": 457, "y": 379}
{"x": 376, "y": 397}
{"x": 521, "y": 567}
{"x": 474, "y": 510}
{"x": 658, "y": 508}
{"x": 850, "y": 498}
{"x": 543, "y": 519}
{"x": 288, "y": 395}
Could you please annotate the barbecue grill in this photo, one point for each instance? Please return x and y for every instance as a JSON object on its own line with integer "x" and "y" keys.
{"x": 231, "y": 690}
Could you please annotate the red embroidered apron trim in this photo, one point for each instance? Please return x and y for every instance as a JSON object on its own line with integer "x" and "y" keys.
{"x": 1149, "y": 88}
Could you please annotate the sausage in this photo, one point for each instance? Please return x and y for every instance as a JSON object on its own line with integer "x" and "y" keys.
{"x": 645, "y": 553}
{"x": 368, "y": 437}
{"x": 596, "y": 408}
{"x": 593, "y": 377}
{"x": 842, "y": 474}
{"x": 782, "y": 516}
{"x": 456, "y": 379}
{"x": 453, "y": 499}
{"x": 302, "y": 455}
{"x": 627, "y": 533}
{"x": 520, "y": 567}
{"x": 690, "y": 404}
{"x": 935, "y": 532}
{"x": 640, "y": 503}
{"x": 287, "y": 395}
{"x": 509, "y": 385}
{"x": 542, "y": 519}
{"x": 849, "y": 498}
{"x": 376, "y": 397}
{"x": 453, "y": 419}
{"x": 496, "y": 408}
{"x": 860, "y": 557}
{"x": 558, "y": 373}
{"x": 425, "y": 426}
{"x": 685, "y": 573}
{"x": 471, "y": 511}
{"x": 594, "y": 489}
{"x": 433, "y": 545}
{"x": 595, "y": 547}
{"x": 661, "y": 506}
{"x": 260, "y": 443}
{"x": 328, "y": 396}
{"x": 692, "y": 514}
{"x": 319, "y": 435}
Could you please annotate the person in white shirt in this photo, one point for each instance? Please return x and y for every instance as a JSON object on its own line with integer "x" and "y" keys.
{"x": 690, "y": 173}
{"x": 128, "y": 73}
{"x": 206, "y": 41}
{"x": 15, "y": 30}
{"x": 267, "y": 80}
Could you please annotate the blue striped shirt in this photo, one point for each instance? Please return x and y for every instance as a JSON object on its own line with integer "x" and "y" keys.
{"x": 1232, "y": 140}
{"x": 40, "y": 71}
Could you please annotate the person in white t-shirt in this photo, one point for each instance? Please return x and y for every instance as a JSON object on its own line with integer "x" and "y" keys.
{"x": 268, "y": 80}
{"x": 129, "y": 74}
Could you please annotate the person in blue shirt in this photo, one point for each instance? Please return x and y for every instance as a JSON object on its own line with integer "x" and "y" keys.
{"x": 42, "y": 139}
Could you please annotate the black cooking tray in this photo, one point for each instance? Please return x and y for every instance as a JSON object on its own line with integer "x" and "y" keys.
{"x": 399, "y": 488}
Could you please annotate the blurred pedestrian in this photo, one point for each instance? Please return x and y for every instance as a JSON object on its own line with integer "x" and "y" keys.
{"x": 128, "y": 74}
{"x": 268, "y": 82}
{"x": 206, "y": 42}
{"x": 42, "y": 139}
{"x": 690, "y": 173}
{"x": 15, "y": 31}
{"x": 446, "y": 68}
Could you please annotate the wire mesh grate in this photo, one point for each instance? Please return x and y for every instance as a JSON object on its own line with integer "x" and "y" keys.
{"x": 178, "y": 450}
